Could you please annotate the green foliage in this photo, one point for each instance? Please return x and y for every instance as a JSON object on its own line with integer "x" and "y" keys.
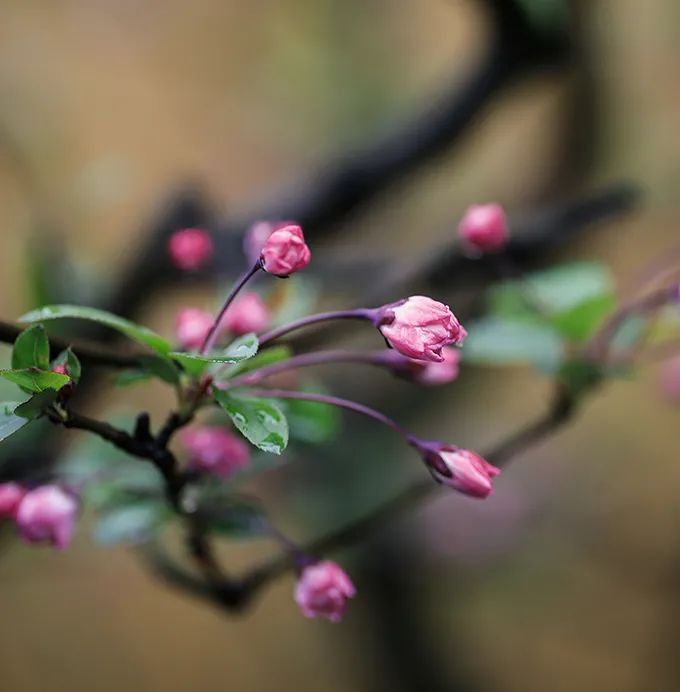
{"x": 216, "y": 506}
{"x": 34, "y": 380}
{"x": 530, "y": 320}
{"x": 10, "y": 422}
{"x": 132, "y": 523}
{"x": 495, "y": 341}
{"x": 554, "y": 290}
{"x": 31, "y": 349}
{"x": 136, "y": 332}
{"x": 582, "y": 321}
{"x": 311, "y": 421}
{"x": 240, "y": 349}
{"x": 547, "y": 15}
{"x": 269, "y": 356}
{"x": 36, "y": 405}
{"x": 260, "y": 421}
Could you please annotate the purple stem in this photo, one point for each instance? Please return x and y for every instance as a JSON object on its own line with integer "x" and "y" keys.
{"x": 212, "y": 335}
{"x": 356, "y": 314}
{"x": 340, "y": 403}
{"x": 378, "y": 358}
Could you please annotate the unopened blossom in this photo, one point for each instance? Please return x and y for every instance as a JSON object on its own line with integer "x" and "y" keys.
{"x": 420, "y": 327}
{"x": 190, "y": 249}
{"x": 461, "y": 469}
{"x": 11, "y": 495}
{"x": 192, "y": 326}
{"x": 60, "y": 369}
{"x": 484, "y": 228}
{"x": 214, "y": 450}
{"x": 47, "y": 515}
{"x": 248, "y": 313}
{"x": 285, "y": 251}
{"x": 323, "y": 589}
{"x": 256, "y": 236}
{"x": 435, "y": 374}
{"x": 669, "y": 380}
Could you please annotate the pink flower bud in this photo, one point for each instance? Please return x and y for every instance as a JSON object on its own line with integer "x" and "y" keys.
{"x": 669, "y": 380}
{"x": 248, "y": 313}
{"x": 484, "y": 228}
{"x": 461, "y": 469}
{"x": 323, "y": 590}
{"x": 11, "y": 495}
{"x": 47, "y": 514}
{"x": 256, "y": 236}
{"x": 192, "y": 326}
{"x": 285, "y": 251}
{"x": 60, "y": 369}
{"x": 434, "y": 374}
{"x": 214, "y": 450}
{"x": 420, "y": 327}
{"x": 190, "y": 249}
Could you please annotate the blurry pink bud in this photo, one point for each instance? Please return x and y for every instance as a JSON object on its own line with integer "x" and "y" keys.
{"x": 461, "y": 469}
{"x": 669, "y": 380}
{"x": 433, "y": 374}
{"x": 420, "y": 327}
{"x": 484, "y": 228}
{"x": 11, "y": 495}
{"x": 323, "y": 590}
{"x": 285, "y": 251}
{"x": 256, "y": 236}
{"x": 190, "y": 249}
{"x": 47, "y": 514}
{"x": 192, "y": 326}
{"x": 248, "y": 313}
{"x": 214, "y": 450}
{"x": 61, "y": 369}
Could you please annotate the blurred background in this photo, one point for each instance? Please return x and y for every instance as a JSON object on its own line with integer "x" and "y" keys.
{"x": 121, "y": 121}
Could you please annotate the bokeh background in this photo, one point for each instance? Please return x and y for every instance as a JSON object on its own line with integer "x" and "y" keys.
{"x": 569, "y": 577}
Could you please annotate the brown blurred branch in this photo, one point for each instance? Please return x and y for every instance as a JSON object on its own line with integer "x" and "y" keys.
{"x": 329, "y": 195}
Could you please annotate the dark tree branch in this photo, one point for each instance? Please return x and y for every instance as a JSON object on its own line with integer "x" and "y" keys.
{"x": 236, "y": 594}
{"x": 339, "y": 188}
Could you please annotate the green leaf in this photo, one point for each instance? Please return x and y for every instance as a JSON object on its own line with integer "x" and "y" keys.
{"x": 31, "y": 349}
{"x": 311, "y": 421}
{"x": 556, "y": 290}
{"x": 628, "y": 333}
{"x": 161, "y": 368}
{"x": 150, "y": 367}
{"x": 218, "y": 507}
{"x": 580, "y": 375}
{"x": 493, "y": 341}
{"x": 260, "y": 421}
{"x": 547, "y": 15}
{"x": 73, "y": 366}
{"x": 239, "y": 350}
{"x": 33, "y": 380}
{"x": 36, "y": 405}
{"x": 9, "y": 421}
{"x": 581, "y": 321}
{"x": 134, "y": 331}
{"x": 133, "y": 523}
{"x": 269, "y": 356}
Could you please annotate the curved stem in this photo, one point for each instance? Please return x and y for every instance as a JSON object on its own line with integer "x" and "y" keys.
{"x": 347, "y": 404}
{"x": 356, "y": 314}
{"x": 211, "y": 337}
{"x": 377, "y": 358}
